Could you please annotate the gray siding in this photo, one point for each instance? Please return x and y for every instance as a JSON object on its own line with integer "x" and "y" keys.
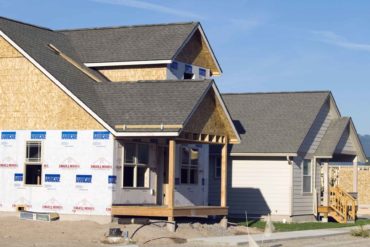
{"x": 317, "y": 131}
{"x": 303, "y": 203}
{"x": 345, "y": 145}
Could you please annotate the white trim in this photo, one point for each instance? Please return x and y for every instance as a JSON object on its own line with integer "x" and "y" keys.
{"x": 60, "y": 85}
{"x": 112, "y": 64}
{"x": 133, "y": 134}
{"x": 264, "y": 154}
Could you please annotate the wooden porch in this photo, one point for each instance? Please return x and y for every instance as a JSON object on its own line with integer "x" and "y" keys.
{"x": 164, "y": 211}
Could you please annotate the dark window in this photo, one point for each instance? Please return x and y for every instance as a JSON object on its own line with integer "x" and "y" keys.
{"x": 136, "y": 170}
{"x": 188, "y": 76}
{"x": 189, "y": 165}
{"x": 128, "y": 179}
{"x": 33, "y": 174}
{"x": 33, "y": 151}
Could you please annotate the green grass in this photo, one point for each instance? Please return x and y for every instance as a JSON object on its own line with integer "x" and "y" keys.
{"x": 287, "y": 227}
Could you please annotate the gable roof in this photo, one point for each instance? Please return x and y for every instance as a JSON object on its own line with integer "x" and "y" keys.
{"x": 332, "y": 136}
{"x": 130, "y": 43}
{"x": 145, "y": 103}
{"x": 151, "y": 102}
{"x": 273, "y": 122}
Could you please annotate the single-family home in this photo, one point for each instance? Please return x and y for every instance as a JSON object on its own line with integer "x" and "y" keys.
{"x": 281, "y": 165}
{"x": 110, "y": 121}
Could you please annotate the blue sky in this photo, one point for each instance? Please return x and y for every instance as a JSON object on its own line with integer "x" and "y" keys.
{"x": 261, "y": 45}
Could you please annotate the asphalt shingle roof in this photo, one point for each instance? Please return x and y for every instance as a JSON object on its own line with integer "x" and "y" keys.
{"x": 273, "y": 122}
{"x": 150, "y": 102}
{"x": 332, "y": 136}
{"x": 131, "y": 43}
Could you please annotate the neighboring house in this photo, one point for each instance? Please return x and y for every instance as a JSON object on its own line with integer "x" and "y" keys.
{"x": 110, "y": 121}
{"x": 286, "y": 138}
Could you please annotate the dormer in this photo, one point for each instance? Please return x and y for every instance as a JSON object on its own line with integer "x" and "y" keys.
{"x": 149, "y": 52}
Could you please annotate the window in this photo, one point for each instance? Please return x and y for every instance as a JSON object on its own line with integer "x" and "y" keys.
{"x": 307, "y": 176}
{"x": 33, "y": 165}
{"x": 216, "y": 162}
{"x": 189, "y": 165}
{"x": 135, "y": 167}
{"x": 188, "y": 75}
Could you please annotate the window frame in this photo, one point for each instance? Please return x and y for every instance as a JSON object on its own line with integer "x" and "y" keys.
{"x": 29, "y": 162}
{"x": 136, "y": 165}
{"x": 215, "y": 166}
{"x": 189, "y": 166}
{"x": 309, "y": 162}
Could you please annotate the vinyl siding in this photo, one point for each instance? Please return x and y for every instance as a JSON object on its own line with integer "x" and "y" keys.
{"x": 214, "y": 186}
{"x": 259, "y": 187}
{"x": 345, "y": 145}
{"x": 317, "y": 131}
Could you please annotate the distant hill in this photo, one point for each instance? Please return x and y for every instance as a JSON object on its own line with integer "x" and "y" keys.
{"x": 365, "y": 139}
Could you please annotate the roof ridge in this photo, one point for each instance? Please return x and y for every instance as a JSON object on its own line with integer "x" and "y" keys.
{"x": 25, "y": 23}
{"x": 126, "y": 26}
{"x": 164, "y": 81}
{"x": 282, "y": 92}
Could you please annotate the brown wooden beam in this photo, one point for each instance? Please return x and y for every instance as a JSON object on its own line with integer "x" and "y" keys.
{"x": 171, "y": 174}
{"x": 224, "y": 175}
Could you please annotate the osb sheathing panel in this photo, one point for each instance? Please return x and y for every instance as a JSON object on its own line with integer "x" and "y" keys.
{"x": 210, "y": 118}
{"x": 345, "y": 181}
{"x": 135, "y": 73}
{"x": 196, "y": 52}
{"x": 29, "y": 100}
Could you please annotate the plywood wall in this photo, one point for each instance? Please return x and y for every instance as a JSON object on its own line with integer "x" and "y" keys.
{"x": 29, "y": 100}
{"x": 196, "y": 52}
{"x": 210, "y": 118}
{"x": 135, "y": 73}
{"x": 345, "y": 181}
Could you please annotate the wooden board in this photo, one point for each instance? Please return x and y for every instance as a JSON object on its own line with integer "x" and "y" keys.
{"x": 135, "y": 73}
{"x": 210, "y": 119}
{"x": 196, "y": 52}
{"x": 29, "y": 100}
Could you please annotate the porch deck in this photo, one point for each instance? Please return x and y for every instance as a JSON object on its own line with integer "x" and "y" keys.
{"x": 164, "y": 211}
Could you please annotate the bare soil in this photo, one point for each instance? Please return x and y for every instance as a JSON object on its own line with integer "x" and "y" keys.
{"x": 15, "y": 232}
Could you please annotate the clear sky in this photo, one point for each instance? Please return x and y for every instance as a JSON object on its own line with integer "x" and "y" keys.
{"x": 261, "y": 45}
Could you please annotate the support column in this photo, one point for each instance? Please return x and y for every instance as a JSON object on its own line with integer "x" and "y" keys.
{"x": 326, "y": 190}
{"x": 224, "y": 174}
{"x": 171, "y": 176}
{"x": 355, "y": 174}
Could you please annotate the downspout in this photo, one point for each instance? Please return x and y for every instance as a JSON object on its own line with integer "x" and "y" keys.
{"x": 291, "y": 163}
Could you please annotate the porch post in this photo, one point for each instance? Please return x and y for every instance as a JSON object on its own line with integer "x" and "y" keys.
{"x": 326, "y": 195}
{"x": 355, "y": 174}
{"x": 326, "y": 185}
{"x": 224, "y": 174}
{"x": 171, "y": 176}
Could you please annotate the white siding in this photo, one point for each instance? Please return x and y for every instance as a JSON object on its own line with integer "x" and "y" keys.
{"x": 260, "y": 187}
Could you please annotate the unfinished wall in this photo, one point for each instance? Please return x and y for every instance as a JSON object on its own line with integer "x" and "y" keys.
{"x": 77, "y": 172}
{"x": 29, "y": 100}
{"x": 345, "y": 181}
{"x": 196, "y": 52}
{"x": 210, "y": 118}
{"x": 135, "y": 73}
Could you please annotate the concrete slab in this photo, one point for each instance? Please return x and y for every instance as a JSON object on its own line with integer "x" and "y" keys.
{"x": 243, "y": 239}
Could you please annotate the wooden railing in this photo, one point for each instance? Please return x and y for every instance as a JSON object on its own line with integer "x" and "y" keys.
{"x": 343, "y": 204}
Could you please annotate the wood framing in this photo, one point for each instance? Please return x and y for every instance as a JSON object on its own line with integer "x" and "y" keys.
{"x": 197, "y": 52}
{"x": 210, "y": 119}
{"x": 30, "y": 100}
{"x": 135, "y": 73}
{"x": 162, "y": 211}
{"x": 224, "y": 175}
{"x": 171, "y": 173}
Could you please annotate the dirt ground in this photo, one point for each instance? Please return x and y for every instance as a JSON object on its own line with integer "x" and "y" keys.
{"x": 15, "y": 232}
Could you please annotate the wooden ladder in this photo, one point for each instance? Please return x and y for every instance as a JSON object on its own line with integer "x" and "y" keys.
{"x": 342, "y": 206}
